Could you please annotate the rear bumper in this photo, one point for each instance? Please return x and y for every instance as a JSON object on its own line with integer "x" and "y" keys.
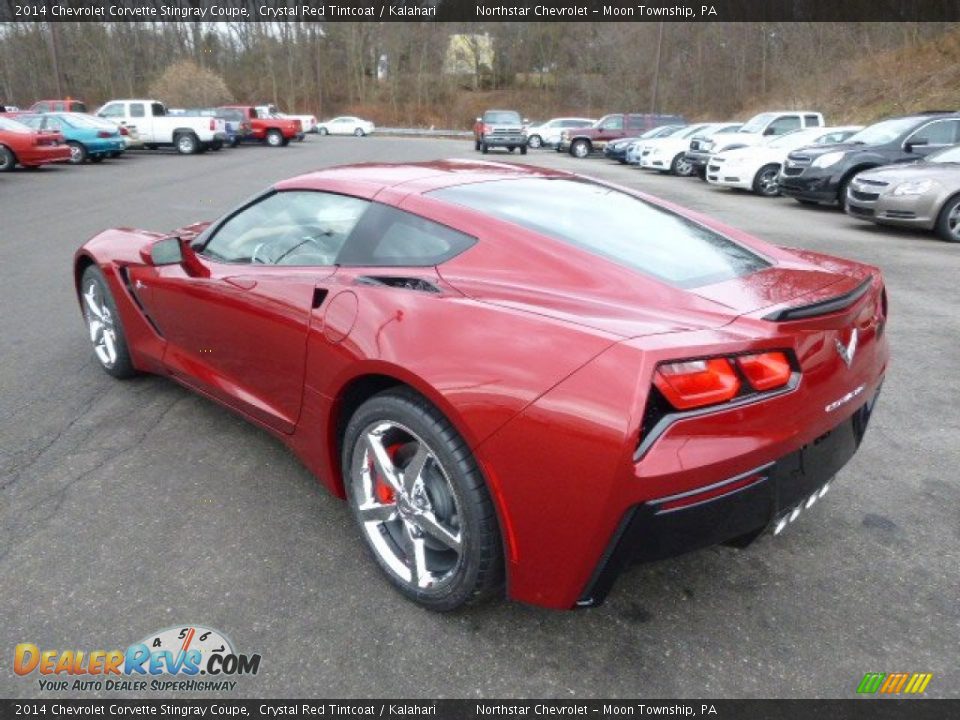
{"x": 43, "y": 155}
{"x": 733, "y": 511}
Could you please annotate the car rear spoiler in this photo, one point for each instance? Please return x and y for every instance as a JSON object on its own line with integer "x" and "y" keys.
{"x": 822, "y": 307}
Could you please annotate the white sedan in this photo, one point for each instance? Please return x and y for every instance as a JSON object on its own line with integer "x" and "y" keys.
{"x": 346, "y": 125}
{"x": 666, "y": 154}
{"x": 756, "y": 167}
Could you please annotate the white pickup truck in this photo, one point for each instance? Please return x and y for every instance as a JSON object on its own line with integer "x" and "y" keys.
{"x": 187, "y": 133}
{"x": 763, "y": 127}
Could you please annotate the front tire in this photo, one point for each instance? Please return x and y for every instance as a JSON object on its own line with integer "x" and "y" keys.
{"x": 534, "y": 141}
{"x": 765, "y": 181}
{"x": 323, "y": 131}
{"x": 681, "y": 166}
{"x": 421, "y": 503}
{"x": 948, "y": 221}
{"x": 580, "y": 148}
{"x": 104, "y": 326}
{"x": 359, "y": 132}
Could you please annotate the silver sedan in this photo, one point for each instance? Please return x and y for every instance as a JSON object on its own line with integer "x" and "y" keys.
{"x": 923, "y": 194}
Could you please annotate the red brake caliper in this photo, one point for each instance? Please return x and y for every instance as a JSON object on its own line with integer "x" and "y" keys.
{"x": 382, "y": 489}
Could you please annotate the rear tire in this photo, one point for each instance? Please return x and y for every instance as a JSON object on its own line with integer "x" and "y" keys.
{"x": 681, "y": 167}
{"x": 948, "y": 221}
{"x": 8, "y": 161}
{"x": 359, "y": 132}
{"x": 323, "y": 131}
{"x": 534, "y": 141}
{"x": 104, "y": 326}
{"x": 78, "y": 153}
{"x": 187, "y": 144}
{"x": 435, "y": 534}
{"x": 275, "y": 138}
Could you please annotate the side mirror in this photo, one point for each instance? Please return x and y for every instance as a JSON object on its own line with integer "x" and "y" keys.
{"x": 911, "y": 144}
{"x": 770, "y": 131}
{"x": 168, "y": 251}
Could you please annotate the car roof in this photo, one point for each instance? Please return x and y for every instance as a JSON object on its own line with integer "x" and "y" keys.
{"x": 370, "y": 178}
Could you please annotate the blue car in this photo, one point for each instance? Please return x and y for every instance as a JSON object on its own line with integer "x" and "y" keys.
{"x": 89, "y": 138}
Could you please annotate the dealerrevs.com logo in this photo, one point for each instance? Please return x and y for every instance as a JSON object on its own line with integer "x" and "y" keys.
{"x": 184, "y": 658}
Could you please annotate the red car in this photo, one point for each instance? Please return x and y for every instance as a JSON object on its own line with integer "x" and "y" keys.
{"x": 25, "y": 146}
{"x": 275, "y": 131}
{"x": 514, "y": 375}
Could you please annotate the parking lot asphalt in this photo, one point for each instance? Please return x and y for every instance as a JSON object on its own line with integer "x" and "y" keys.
{"x": 127, "y": 507}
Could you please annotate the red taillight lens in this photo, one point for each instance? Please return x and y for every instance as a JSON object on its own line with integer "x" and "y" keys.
{"x": 104, "y": 134}
{"x": 696, "y": 383}
{"x": 213, "y": 124}
{"x": 766, "y": 371}
{"x": 124, "y": 131}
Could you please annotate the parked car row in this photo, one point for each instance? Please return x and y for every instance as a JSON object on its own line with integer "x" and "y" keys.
{"x": 902, "y": 171}
{"x": 53, "y": 131}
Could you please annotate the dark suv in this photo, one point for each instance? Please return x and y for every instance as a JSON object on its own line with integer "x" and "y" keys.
{"x": 821, "y": 174}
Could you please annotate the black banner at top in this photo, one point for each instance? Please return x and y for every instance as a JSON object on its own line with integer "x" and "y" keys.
{"x": 479, "y": 10}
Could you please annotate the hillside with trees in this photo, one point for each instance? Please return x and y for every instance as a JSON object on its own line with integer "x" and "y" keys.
{"x": 442, "y": 74}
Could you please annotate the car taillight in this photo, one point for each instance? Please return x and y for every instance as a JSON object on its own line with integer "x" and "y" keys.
{"x": 213, "y": 124}
{"x": 766, "y": 371}
{"x": 123, "y": 130}
{"x": 104, "y": 134}
{"x": 695, "y": 383}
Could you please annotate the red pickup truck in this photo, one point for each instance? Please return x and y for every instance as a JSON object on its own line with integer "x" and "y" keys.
{"x": 580, "y": 142}
{"x": 68, "y": 105}
{"x": 275, "y": 131}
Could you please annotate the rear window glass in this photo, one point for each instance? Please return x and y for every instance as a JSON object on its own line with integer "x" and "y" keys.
{"x": 614, "y": 225}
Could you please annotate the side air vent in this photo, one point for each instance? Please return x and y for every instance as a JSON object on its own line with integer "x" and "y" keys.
{"x": 824, "y": 307}
{"x": 403, "y": 283}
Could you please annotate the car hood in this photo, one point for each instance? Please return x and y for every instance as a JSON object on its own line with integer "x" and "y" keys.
{"x": 947, "y": 173}
{"x": 815, "y": 151}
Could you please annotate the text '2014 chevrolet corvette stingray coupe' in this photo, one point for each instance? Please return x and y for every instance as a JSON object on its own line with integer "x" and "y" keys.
{"x": 517, "y": 377}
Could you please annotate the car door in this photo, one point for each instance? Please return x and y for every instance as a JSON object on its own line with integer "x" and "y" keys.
{"x": 931, "y": 137}
{"x": 610, "y": 128}
{"x": 236, "y": 315}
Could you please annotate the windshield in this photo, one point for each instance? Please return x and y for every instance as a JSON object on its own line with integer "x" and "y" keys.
{"x": 12, "y": 126}
{"x": 612, "y": 224}
{"x": 757, "y": 123}
{"x": 78, "y": 120}
{"x": 949, "y": 155}
{"x": 692, "y": 130}
{"x": 883, "y": 132}
{"x": 502, "y": 117}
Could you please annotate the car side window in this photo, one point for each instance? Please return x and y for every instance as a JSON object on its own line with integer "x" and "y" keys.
{"x": 111, "y": 111}
{"x": 939, "y": 132}
{"x": 157, "y": 110}
{"x": 783, "y": 125}
{"x": 54, "y": 124}
{"x": 295, "y": 227}
{"x": 811, "y": 120}
{"x": 389, "y": 237}
{"x": 613, "y": 123}
{"x": 137, "y": 110}
{"x": 43, "y": 107}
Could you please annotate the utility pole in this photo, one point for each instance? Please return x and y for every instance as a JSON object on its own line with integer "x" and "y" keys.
{"x": 656, "y": 69}
{"x": 55, "y": 57}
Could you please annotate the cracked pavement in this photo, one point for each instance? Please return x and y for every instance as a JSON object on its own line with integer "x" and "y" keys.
{"x": 127, "y": 507}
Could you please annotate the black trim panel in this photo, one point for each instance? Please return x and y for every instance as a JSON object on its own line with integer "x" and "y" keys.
{"x": 824, "y": 307}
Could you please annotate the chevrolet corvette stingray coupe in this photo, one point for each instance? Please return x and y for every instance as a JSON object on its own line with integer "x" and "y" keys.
{"x": 522, "y": 380}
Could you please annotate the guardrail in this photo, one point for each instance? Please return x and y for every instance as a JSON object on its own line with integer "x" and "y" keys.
{"x": 423, "y": 132}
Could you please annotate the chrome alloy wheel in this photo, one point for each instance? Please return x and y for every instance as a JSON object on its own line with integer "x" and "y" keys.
{"x": 406, "y": 505}
{"x": 103, "y": 333}
{"x": 767, "y": 182}
{"x": 953, "y": 222}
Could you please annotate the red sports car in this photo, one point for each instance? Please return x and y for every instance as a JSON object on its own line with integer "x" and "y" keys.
{"x": 515, "y": 376}
{"x": 23, "y": 145}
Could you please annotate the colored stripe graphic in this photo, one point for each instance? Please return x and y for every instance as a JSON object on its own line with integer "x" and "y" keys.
{"x": 894, "y": 683}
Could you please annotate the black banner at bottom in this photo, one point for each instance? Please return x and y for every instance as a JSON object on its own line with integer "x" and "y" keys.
{"x": 854, "y": 709}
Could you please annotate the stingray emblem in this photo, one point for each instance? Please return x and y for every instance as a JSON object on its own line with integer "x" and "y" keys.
{"x": 846, "y": 352}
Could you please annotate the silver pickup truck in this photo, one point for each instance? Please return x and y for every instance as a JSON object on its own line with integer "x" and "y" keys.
{"x": 187, "y": 133}
{"x": 500, "y": 128}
